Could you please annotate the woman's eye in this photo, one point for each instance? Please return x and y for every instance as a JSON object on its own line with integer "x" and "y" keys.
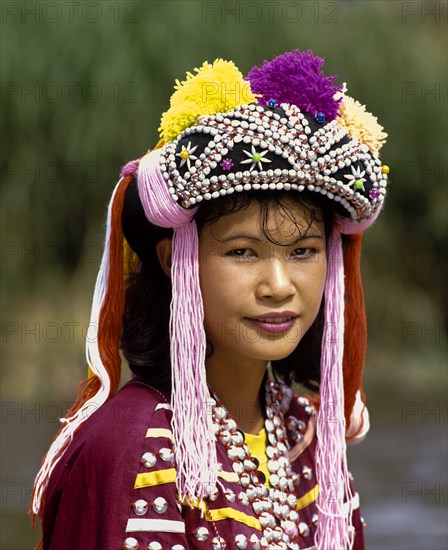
{"x": 303, "y": 252}
{"x": 238, "y": 252}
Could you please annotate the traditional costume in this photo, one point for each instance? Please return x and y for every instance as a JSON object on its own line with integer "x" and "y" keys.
{"x": 143, "y": 469}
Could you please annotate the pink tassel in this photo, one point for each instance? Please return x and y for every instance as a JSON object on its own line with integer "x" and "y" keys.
{"x": 192, "y": 427}
{"x": 334, "y": 530}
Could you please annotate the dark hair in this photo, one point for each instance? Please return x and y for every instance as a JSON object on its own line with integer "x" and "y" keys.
{"x": 145, "y": 337}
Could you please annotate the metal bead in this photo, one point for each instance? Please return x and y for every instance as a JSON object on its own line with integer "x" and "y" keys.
{"x": 257, "y": 505}
{"x": 230, "y": 495}
{"x": 140, "y": 507}
{"x": 255, "y": 542}
{"x": 304, "y": 530}
{"x": 201, "y": 534}
{"x": 166, "y": 454}
{"x": 277, "y": 533}
{"x": 264, "y": 519}
{"x": 271, "y": 452}
{"x": 274, "y": 480}
{"x": 282, "y": 448}
{"x": 214, "y": 494}
{"x": 230, "y": 424}
{"x": 307, "y": 472}
{"x": 236, "y": 453}
{"x": 148, "y": 460}
{"x": 245, "y": 479}
{"x": 220, "y": 412}
{"x": 225, "y": 437}
{"x": 303, "y": 400}
{"x": 290, "y": 528}
{"x": 160, "y": 505}
{"x": 251, "y": 493}
{"x": 270, "y": 427}
{"x": 218, "y": 543}
{"x": 238, "y": 437}
{"x": 266, "y": 505}
{"x": 131, "y": 544}
{"x": 241, "y": 541}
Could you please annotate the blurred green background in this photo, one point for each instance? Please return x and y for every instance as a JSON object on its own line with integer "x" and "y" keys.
{"x": 83, "y": 88}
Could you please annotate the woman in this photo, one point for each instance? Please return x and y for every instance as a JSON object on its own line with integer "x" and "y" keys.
{"x": 245, "y": 228}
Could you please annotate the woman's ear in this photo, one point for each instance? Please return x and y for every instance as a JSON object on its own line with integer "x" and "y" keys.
{"x": 163, "y": 251}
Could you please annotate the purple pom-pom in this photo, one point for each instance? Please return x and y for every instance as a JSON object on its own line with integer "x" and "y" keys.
{"x": 296, "y": 78}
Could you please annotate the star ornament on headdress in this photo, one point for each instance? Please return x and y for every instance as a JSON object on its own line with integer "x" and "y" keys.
{"x": 356, "y": 178}
{"x": 255, "y": 158}
{"x": 186, "y": 154}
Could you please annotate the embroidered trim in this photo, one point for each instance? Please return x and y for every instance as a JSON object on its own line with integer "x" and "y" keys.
{"x": 152, "y": 525}
{"x": 230, "y": 513}
{"x": 166, "y": 406}
{"x": 311, "y": 496}
{"x": 160, "y": 432}
{"x": 160, "y": 477}
{"x": 308, "y": 498}
{"x": 229, "y": 476}
{"x": 218, "y": 514}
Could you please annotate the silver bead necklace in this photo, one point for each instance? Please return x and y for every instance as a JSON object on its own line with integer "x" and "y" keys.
{"x": 275, "y": 507}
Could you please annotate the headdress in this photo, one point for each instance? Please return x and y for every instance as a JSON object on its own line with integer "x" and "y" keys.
{"x": 284, "y": 127}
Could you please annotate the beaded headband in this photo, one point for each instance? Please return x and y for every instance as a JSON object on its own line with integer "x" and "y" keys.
{"x": 270, "y": 147}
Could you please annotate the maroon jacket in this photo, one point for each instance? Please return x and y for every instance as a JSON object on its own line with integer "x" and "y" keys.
{"x": 91, "y": 492}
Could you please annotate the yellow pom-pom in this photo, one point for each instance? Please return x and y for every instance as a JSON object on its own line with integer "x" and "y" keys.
{"x": 215, "y": 88}
{"x": 361, "y": 124}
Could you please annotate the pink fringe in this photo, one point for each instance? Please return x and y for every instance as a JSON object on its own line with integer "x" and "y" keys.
{"x": 191, "y": 424}
{"x": 334, "y": 530}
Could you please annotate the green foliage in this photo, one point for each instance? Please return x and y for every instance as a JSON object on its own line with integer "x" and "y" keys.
{"x": 102, "y": 83}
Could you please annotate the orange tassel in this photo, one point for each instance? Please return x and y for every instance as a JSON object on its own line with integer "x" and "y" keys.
{"x": 355, "y": 331}
{"x": 110, "y": 319}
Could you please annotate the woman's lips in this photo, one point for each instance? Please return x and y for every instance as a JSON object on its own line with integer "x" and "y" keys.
{"x": 273, "y": 322}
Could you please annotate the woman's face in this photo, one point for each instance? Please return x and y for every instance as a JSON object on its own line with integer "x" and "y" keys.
{"x": 244, "y": 276}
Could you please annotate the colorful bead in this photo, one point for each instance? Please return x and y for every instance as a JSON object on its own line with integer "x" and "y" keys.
{"x": 272, "y": 103}
{"x": 227, "y": 164}
{"x": 385, "y": 169}
{"x": 320, "y": 117}
{"x": 356, "y": 177}
{"x": 374, "y": 194}
{"x": 186, "y": 154}
{"x": 255, "y": 158}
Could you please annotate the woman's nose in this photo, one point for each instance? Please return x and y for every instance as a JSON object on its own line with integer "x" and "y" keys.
{"x": 275, "y": 280}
